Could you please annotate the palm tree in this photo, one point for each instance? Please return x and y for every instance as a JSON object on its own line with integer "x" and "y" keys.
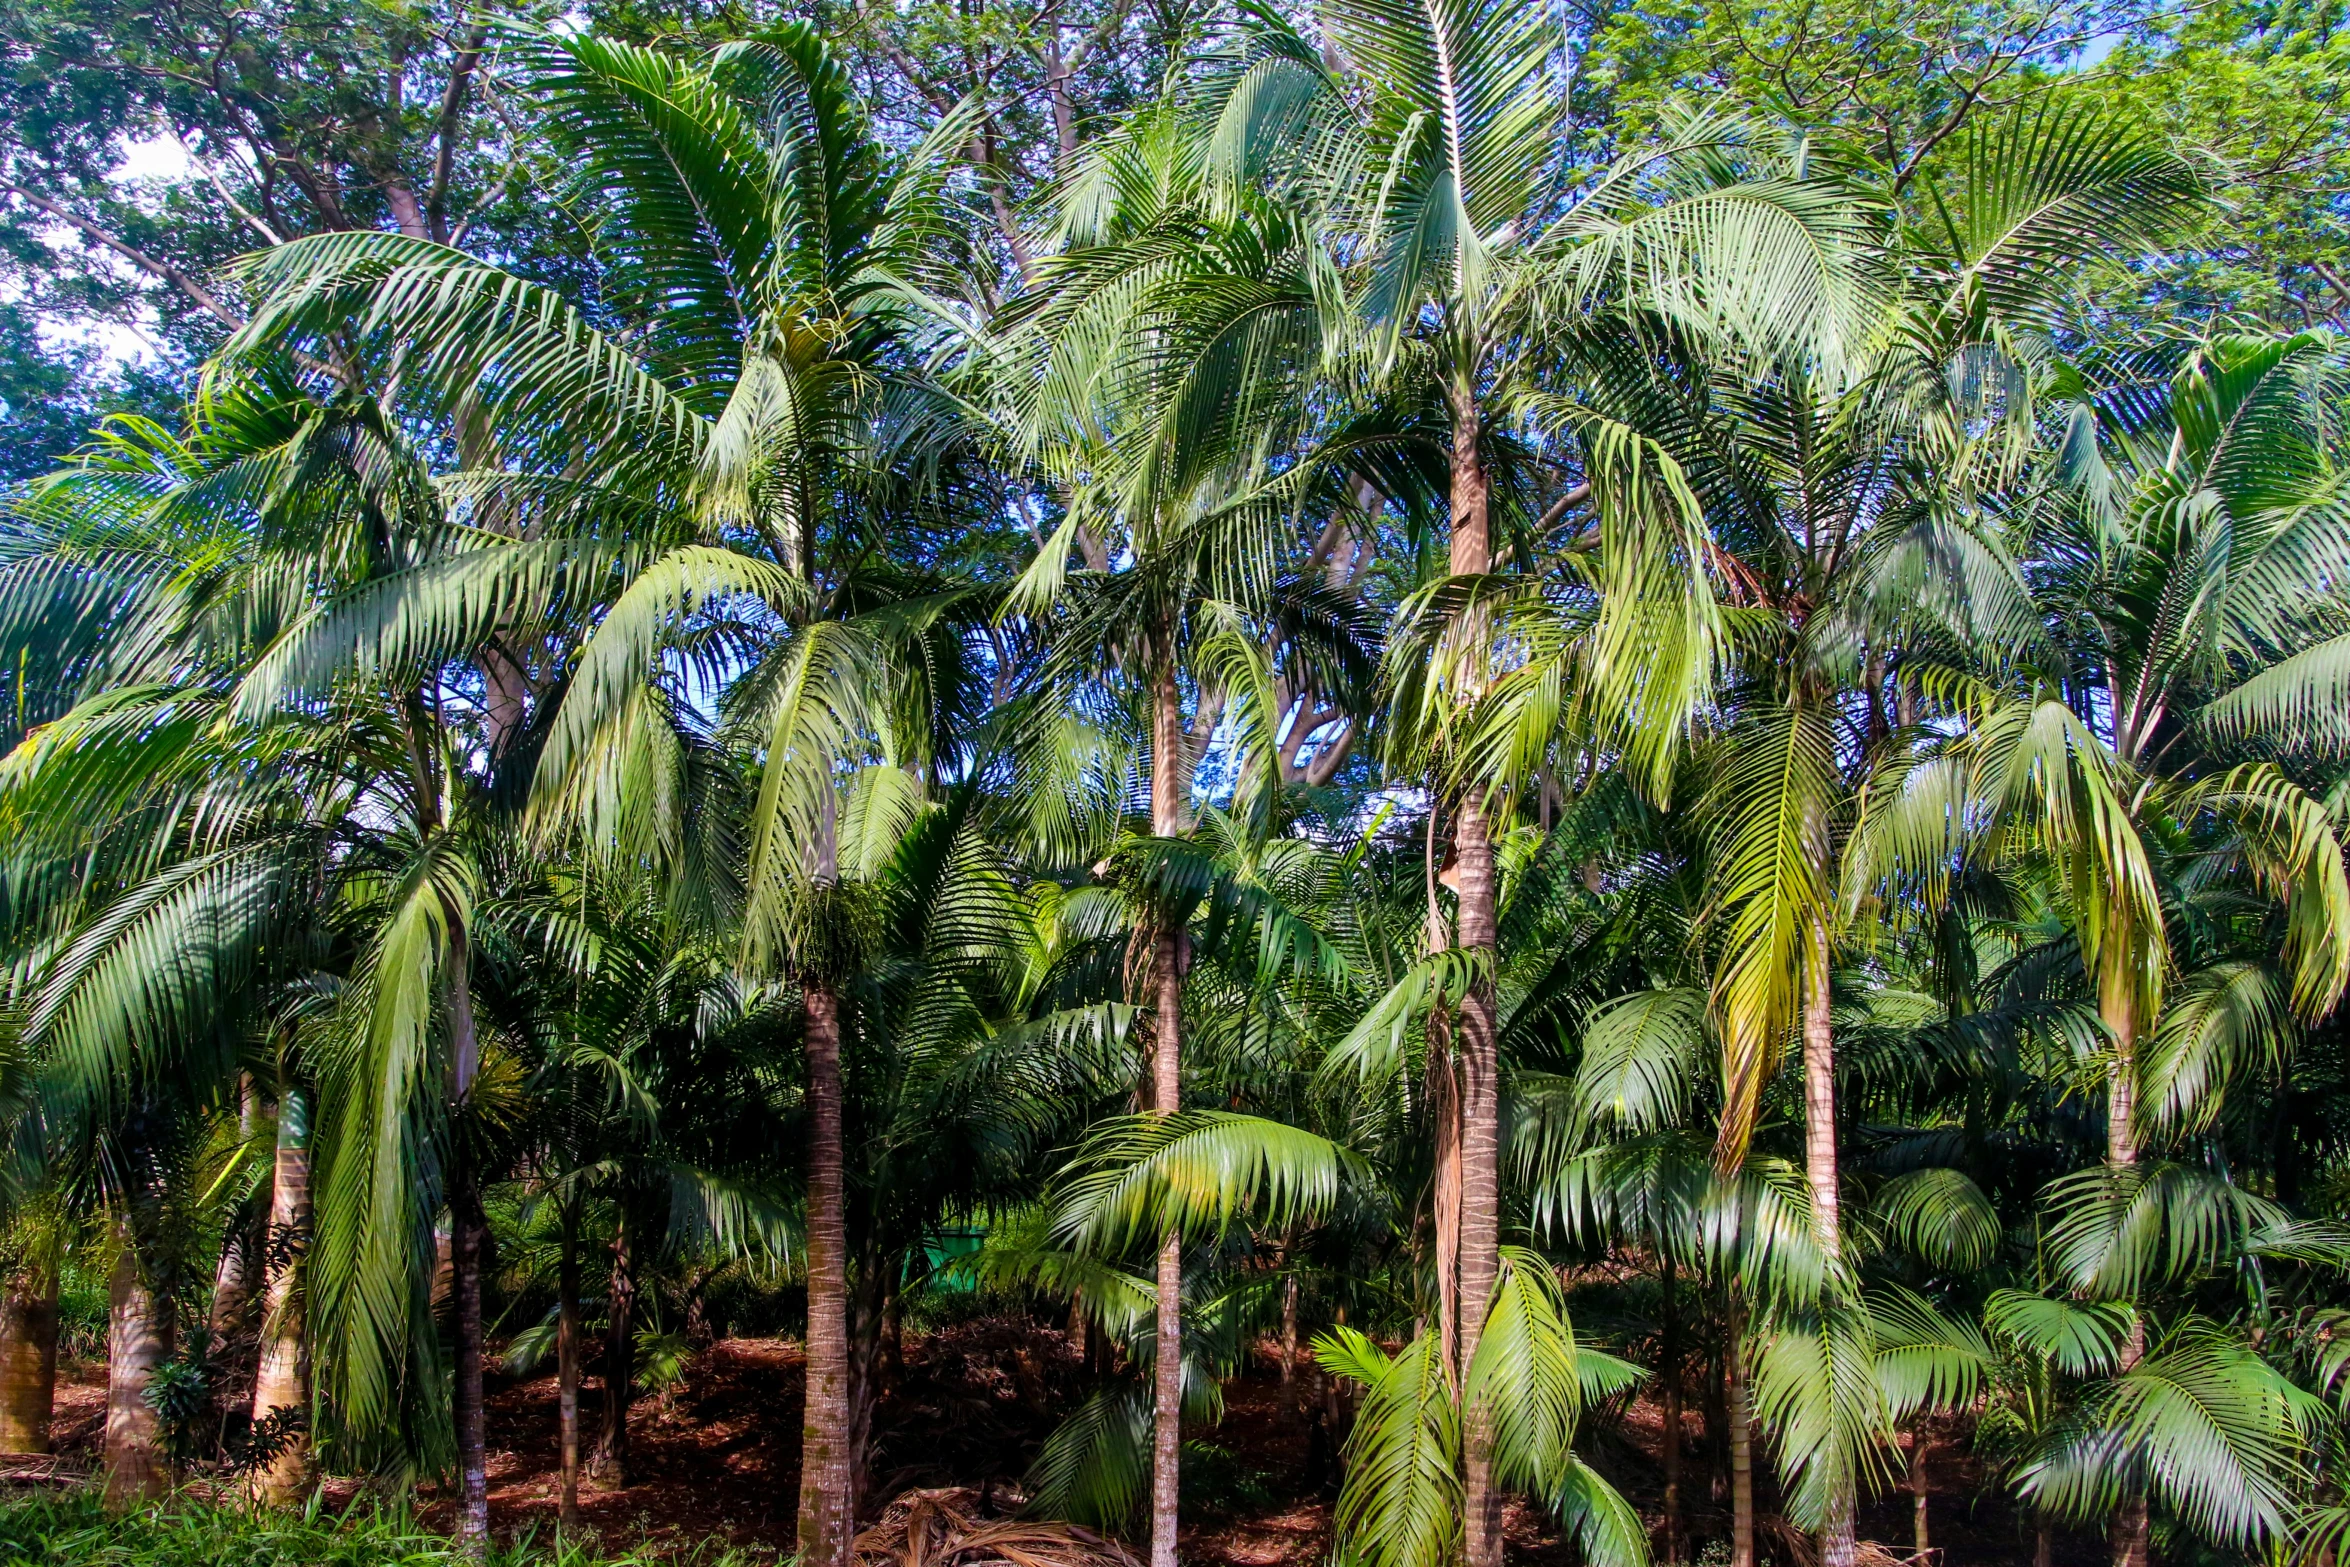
{"x": 1155, "y": 408}
{"x": 1838, "y": 700}
{"x": 728, "y": 442}
{"x": 1839, "y": 492}
{"x": 1250, "y": 907}
{"x": 28, "y": 1329}
{"x": 2194, "y": 495}
{"x": 320, "y": 749}
{"x": 281, "y": 1385}
{"x": 1421, "y": 147}
{"x": 169, "y": 952}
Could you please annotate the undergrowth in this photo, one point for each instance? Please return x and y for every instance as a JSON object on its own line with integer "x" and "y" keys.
{"x": 57, "y": 1528}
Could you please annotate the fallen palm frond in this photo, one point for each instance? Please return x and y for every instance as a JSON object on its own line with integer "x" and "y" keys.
{"x": 942, "y": 1528}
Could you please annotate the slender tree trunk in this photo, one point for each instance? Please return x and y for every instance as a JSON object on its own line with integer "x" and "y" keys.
{"x": 567, "y": 1368}
{"x": 1837, "y": 1545}
{"x": 1872, "y": 684}
{"x": 1167, "y": 1099}
{"x": 868, "y": 1308}
{"x": 1288, "y": 1329}
{"x": 138, "y": 1340}
{"x": 698, "y": 1332}
{"x": 619, "y": 1361}
{"x": 827, "y": 1529}
{"x": 468, "y": 1241}
{"x": 2043, "y": 1544}
{"x": 2132, "y": 1532}
{"x": 28, "y": 1360}
{"x": 468, "y": 1235}
{"x": 232, "y": 1281}
{"x": 1739, "y": 1416}
{"x": 1717, "y": 1428}
{"x": 1444, "y": 1115}
{"x": 1668, "y": 1374}
{"x": 1921, "y": 1539}
{"x": 279, "y": 1382}
{"x": 1167, "y": 1350}
{"x": 1477, "y": 1062}
{"x": 1475, "y": 1039}
{"x": 1917, "y": 1524}
{"x": 231, "y": 1285}
{"x": 1444, "y": 1122}
{"x": 2117, "y": 1004}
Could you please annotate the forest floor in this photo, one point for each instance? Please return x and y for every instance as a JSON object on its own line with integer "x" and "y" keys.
{"x": 715, "y": 1458}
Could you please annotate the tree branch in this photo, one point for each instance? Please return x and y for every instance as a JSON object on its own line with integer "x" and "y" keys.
{"x": 444, "y": 158}
{"x": 151, "y": 265}
{"x": 2335, "y": 281}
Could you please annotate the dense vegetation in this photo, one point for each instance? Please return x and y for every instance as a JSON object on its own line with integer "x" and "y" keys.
{"x": 79, "y": 1530}
{"x": 1389, "y": 680}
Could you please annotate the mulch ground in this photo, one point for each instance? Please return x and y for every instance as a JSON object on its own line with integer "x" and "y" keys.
{"x": 716, "y": 1459}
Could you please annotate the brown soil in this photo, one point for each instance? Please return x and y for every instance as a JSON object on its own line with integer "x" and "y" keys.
{"x": 77, "y": 1412}
{"x": 716, "y": 1458}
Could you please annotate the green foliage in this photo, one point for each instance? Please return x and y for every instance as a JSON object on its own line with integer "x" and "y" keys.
{"x": 180, "y": 1393}
{"x": 51, "y": 1530}
{"x": 703, "y": 535}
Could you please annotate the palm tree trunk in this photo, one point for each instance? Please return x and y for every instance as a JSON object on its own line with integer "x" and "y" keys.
{"x": 1921, "y": 1541}
{"x": 1167, "y": 1347}
{"x": 826, "y": 1528}
{"x": 138, "y": 1340}
{"x": 567, "y": 1367}
{"x": 1167, "y": 1099}
{"x": 1837, "y": 1545}
{"x": 278, "y": 1381}
{"x": 868, "y": 1307}
{"x": 1739, "y": 1417}
{"x": 1288, "y": 1330}
{"x": 1444, "y": 1121}
{"x": 1478, "y": 1064}
{"x": 1668, "y": 1374}
{"x": 231, "y": 1285}
{"x": 468, "y": 1232}
{"x": 2132, "y": 1531}
{"x": 28, "y": 1360}
{"x": 1717, "y": 1428}
{"x": 468, "y": 1240}
{"x": 2117, "y": 1005}
{"x": 232, "y": 1281}
{"x": 1475, "y": 1039}
{"x": 1444, "y": 1115}
{"x": 619, "y": 1360}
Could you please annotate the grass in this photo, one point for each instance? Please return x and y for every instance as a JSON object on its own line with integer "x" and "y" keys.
{"x": 57, "y": 1528}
